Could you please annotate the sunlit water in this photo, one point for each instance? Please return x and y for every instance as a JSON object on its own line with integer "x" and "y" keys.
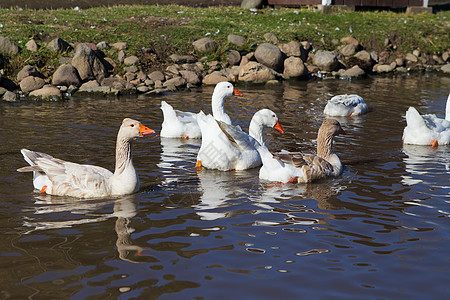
{"x": 379, "y": 231}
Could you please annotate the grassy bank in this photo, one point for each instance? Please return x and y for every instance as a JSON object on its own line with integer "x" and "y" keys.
{"x": 172, "y": 29}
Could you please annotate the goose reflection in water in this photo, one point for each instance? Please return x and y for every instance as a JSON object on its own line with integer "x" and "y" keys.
{"x": 88, "y": 212}
{"x": 425, "y": 164}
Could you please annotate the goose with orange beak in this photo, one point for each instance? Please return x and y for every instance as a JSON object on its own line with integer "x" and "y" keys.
{"x": 62, "y": 178}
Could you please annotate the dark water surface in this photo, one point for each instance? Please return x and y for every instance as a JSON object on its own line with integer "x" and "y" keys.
{"x": 380, "y": 231}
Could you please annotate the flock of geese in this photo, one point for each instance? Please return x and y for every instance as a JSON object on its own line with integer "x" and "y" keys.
{"x": 224, "y": 147}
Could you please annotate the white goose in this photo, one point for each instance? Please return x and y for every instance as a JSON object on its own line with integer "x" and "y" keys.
{"x": 226, "y": 147}
{"x": 345, "y": 106}
{"x": 427, "y": 129}
{"x": 180, "y": 124}
{"x": 62, "y": 178}
{"x": 303, "y": 168}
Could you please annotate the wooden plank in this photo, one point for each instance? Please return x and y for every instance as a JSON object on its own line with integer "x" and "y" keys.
{"x": 415, "y": 2}
{"x": 352, "y": 2}
{"x": 368, "y": 2}
{"x": 387, "y": 2}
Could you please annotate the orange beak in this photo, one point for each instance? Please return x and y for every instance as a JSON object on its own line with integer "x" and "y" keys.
{"x": 236, "y": 92}
{"x": 145, "y": 130}
{"x": 278, "y": 127}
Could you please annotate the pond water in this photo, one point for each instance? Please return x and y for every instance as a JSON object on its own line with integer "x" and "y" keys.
{"x": 379, "y": 231}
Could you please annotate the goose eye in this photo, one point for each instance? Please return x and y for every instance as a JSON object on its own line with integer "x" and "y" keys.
{"x": 132, "y": 125}
{"x": 273, "y": 116}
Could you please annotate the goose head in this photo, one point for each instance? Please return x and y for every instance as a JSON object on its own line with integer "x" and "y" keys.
{"x": 330, "y": 128}
{"x": 267, "y": 118}
{"x": 132, "y": 129}
{"x": 225, "y": 89}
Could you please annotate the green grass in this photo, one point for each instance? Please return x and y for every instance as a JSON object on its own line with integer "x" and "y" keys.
{"x": 172, "y": 29}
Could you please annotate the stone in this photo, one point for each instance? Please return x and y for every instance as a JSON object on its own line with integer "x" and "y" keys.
{"x": 47, "y": 91}
{"x": 10, "y": 96}
{"x": 348, "y": 50}
{"x": 32, "y": 46}
{"x": 438, "y": 59}
{"x": 157, "y": 75}
{"x": 88, "y": 64}
{"x": 446, "y": 68}
{"x": 349, "y": 40}
{"x": 306, "y": 45}
{"x": 131, "y": 69}
{"x": 103, "y": 45}
{"x": 445, "y": 56}
{"x": 325, "y": 60}
{"x": 252, "y": 4}
{"x": 270, "y": 56}
{"x": 115, "y": 83}
{"x": 121, "y": 56}
{"x": 364, "y": 56}
{"x": 236, "y": 40}
{"x": 172, "y": 70}
{"x": 400, "y": 62}
{"x": 214, "y": 78}
{"x": 190, "y": 77}
{"x": 411, "y": 58}
{"x": 293, "y": 48}
{"x": 205, "y": 45}
{"x": 416, "y": 52}
{"x": 294, "y": 67}
{"x": 120, "y": 46}
{"x": 31, "y": 83}
{"x": 233, "y": 57}
{"x": 175, "y": 82}
{"x": 28, "y": 71}
{"x": 384, "y": 68}
{"x": 59, "y": 45}
{"x": 66, "y": 75}
{"x": 93, "y": 86}
{"x": 182, "y": 59}
{"x": 8, "y": 47}
{"x": 354, "y": 71}
{"x": 270, "y": 37}
{"x": 131, "y": 60}
{"x": 256, "y": 72}
{"x": 143, "y": 89}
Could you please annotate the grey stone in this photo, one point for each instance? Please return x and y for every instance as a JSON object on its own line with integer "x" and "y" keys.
{"x": 10, "y": 96}
{"x": 31, "y": 83}
{"x": 103, "y": 45}
{"x": 325, "y": 60}
{"x": 411, "y": 58}
{"x": 214, "y": 78}
{"x": 190, "y": 77}
{"x": 182, "y": 59}
{"x": 120, "y": 46}
{"x": 88, "y": 64}
{"x": 47, "y": 91}
{"x": 205, "y": 45}
{"x": 270, "y": 56}
{"x": 115, "y": 83}
{"x": 256, "y": 72}
{"x": 175, "y": 82}
{"x": 32, "y": 46}
{"x": 355, "y": 71}
{"x": 349, "y": 40}
{"x": 348, "y": 50}
{"x": 294, "y": 67}
{"x": 236, "y": 40}
{"x": 157, "y": 75}
{"x": 131, "y": 60}
{"x": 383, "y": 68}
{"x": 28, "y": 71}
{"x": 131, "y": 69}
{"x": 66, "y": 75}
{"x": 270, "y": 37}
{"x": 8, "y": 47}
{"x": 364, "y": 56}
{"x": 445, "y": 68}
{"x": 234, "y": 57}
{"x": 59, "y": 45}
